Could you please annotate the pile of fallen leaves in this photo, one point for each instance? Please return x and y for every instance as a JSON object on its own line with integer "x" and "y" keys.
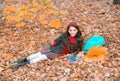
{"x": 26, "y": 25}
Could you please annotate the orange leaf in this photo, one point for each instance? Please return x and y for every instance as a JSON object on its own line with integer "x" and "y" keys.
{"x": 12, "y": 8}
{"x": 96, "y": 54}
{"x": 42, "y": 21}
{"x": 10, "y": 18}
{"x": 9, "y": 56}
{"x": 56, "y": 23}
{"x": 49, "y": 5}
{"x": 19, "y": 24}
{"x": 18, "y": 18}
{"x": 8, "y": 0}
{"x": 29, "y": 15}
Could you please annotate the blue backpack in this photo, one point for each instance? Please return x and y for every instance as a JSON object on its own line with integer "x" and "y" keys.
{"x": 94, "y": 41}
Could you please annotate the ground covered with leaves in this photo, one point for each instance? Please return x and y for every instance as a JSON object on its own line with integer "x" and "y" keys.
{"x": 26, "y": 25}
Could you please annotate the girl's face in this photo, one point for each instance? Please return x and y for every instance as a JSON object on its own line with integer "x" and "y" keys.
{"x": 72, "y": 31}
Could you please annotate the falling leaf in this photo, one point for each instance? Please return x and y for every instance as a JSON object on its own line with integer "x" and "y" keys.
{"x": 56, "y": 23}
{"x": 42, "y": 21}
{"x": 9, "y": 56}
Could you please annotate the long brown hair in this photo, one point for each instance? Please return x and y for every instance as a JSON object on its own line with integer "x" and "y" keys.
{"x": 78, "y": 37}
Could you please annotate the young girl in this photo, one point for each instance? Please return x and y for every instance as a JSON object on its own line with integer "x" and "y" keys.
{"x": 68, "y": 42}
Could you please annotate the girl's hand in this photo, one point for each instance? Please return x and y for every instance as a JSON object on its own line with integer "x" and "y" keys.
{"x": 51, "y": 42}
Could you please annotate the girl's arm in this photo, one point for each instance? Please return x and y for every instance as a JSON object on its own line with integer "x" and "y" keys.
{"x": 57, "y": 41}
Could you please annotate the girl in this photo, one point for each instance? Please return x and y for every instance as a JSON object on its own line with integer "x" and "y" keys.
{"x": 68, "y": 42}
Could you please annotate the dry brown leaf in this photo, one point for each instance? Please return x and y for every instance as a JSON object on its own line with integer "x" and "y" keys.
{"x": 1, "y": 69}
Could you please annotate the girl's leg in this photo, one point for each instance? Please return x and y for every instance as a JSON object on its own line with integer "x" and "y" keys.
{"x": 22, "y": 64}
{"x": 40, "y": 57}
{"x": 22, "y": 60}
{"x": 33, "y": 56}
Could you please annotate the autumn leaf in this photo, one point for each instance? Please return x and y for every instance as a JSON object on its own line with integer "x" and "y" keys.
{"x": 35, "y": 4}
{"x": 6, "y": 11}
{"x": 19, "y": 24}
{"x": 12, "y": 8}
{"x": 10, "y": 18}
{"x": 96, "y": 54}
{"x": 56, "y": 23}
{"x": 63, "y": 12}
{"x": 46, "y": 1}
{"x": 9, "y": 56}
{"x": 18, "y": 18}
{"x": 49, "y": 5}
{"x": 29, "y": 15}
{"x": 25, "y": 7}
{"x": 8, "y": 0}
{"x": 42, "y": 21}
{"x": 1, "y": 69}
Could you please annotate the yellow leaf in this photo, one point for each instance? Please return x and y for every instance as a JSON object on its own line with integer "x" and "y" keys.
{"x": 35, "y": 4}
{"x": 42, "y": 21}
{"x": 63, "y": 12}
{"x": 9, "y": 56}
{"x": 19, "y": 24}
{"x": 46, "y": 1}
{"x": 56, "y": 23}
{"x": 55, "y": 12}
